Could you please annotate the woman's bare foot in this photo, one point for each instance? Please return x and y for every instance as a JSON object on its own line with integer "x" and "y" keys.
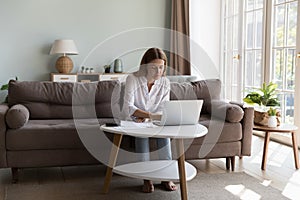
{"x": 148, "y": 186}
{"x": 169, "y": 185}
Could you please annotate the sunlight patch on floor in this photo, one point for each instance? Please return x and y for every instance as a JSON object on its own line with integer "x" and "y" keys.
{"x": 286, "y": 150}
{"x": 266, "y": 183}
{"x": 256, "y": 160}
{"x": 274, "y": 145}
{"x": 291, "y": 189}
{"x": 242, "y": 192}
{"x": 274, "y": 163}
{"x": 279, "y": 157}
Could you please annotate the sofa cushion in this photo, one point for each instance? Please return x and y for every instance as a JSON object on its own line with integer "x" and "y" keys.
{"x": 219, "y": 131}
{"x": 181, "y": 78}
{"x": 55, "y": 100}
{"x": 51, "y": 134}
{"x": 219, "y": 150}
{"x": 207, "y": 90}
{"x": 182, "y": 91}
{"x": 17, "y": 116}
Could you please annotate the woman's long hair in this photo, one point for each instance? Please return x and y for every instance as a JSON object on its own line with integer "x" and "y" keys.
{"x": 150, "y": 55}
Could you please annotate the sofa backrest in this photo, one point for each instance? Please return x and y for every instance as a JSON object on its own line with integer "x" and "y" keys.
{"x": 207, "y": 90}
{"x": 54, "y": 100}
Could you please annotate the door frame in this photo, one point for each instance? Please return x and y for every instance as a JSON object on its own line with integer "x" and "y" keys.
{"x": 297, "y": 78}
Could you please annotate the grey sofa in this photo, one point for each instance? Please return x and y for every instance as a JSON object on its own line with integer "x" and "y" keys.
{"x": 37, "y": 126}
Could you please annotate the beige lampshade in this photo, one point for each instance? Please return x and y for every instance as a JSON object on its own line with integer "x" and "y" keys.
{"x": 64, "y": 64}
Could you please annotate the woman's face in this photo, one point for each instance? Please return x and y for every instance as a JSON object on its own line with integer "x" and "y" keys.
{"x": 155, "y": 69}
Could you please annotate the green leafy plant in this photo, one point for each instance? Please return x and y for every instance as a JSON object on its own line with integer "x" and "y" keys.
{"x": 272, "y": 111}
{"x": 264, "y": 96}
{"x": 5, "y": 87}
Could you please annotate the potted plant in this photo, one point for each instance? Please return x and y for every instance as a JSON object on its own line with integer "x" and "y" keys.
{"x": 272, "y": 111}
{"x": 272, "y": 121}
{"x": 264, "y": 97}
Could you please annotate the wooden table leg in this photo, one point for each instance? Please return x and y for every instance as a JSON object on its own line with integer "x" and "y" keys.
{"x": 295, "y": 148}
{"x": 265, "y": 153}
{"x": 112, "y": 161}
{"x": 181, "y": 169}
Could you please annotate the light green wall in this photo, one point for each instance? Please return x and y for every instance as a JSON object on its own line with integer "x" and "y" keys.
{"x": 28, "y": 29}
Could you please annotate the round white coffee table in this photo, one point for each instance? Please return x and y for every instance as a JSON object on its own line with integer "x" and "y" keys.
{"x": 172, "y": 170}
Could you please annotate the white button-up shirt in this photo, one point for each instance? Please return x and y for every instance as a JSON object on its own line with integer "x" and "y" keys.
{"x": 137, "y": 96}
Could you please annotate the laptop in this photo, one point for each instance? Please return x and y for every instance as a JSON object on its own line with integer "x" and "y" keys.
{"x": 181, "y": 112}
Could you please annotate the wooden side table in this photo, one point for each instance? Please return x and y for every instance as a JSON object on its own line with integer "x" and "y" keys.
{"x": 283, "y": 128}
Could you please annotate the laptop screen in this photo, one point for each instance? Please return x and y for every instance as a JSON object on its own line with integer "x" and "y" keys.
{"x": 181, "y": 112}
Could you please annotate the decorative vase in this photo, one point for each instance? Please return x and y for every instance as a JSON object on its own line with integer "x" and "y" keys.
{"x": 272, "y": 121}
{"x": 118, "y": 67}
{"x": 106, "y": 68}
{"x": 82, "y": 69}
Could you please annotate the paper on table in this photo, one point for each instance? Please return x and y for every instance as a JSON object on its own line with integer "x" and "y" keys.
{"x": 132, "y": 124}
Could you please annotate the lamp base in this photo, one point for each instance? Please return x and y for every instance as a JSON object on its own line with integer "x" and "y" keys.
{"x": 64, "y": 64}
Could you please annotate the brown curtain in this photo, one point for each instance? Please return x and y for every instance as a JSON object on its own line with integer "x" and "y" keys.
{"x": 180, "y": 44}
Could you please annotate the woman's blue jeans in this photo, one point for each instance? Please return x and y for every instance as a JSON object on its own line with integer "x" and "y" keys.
{"x": 142, "y": 148}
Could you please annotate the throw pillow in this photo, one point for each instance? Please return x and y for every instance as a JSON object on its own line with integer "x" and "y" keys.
{"x": 231, "y": 112}
{"x": 17, "y": 116}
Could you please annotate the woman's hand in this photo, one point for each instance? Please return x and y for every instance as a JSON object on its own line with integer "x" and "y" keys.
{"x": 155, "y": 117}
{"x": 139, "y": 120}
{"x": 141, "y": 116}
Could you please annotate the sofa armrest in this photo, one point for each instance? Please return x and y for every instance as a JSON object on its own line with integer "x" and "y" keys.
{"x": 219, "y": 108}
{"x": 247, "y": 128}
{"x": 3, "y": 110}
{"x": 226, "y": 111}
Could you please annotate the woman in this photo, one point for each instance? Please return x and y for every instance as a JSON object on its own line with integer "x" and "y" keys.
{"x": 145, "y": 93}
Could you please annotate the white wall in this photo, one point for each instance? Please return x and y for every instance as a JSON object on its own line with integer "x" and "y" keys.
{"x": 28, "y": 29}
{"x": 205, "y": 30}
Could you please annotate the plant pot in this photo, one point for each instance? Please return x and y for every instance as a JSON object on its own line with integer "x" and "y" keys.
{"x": 272, "y": 121}
{"x": 262, "y": 118}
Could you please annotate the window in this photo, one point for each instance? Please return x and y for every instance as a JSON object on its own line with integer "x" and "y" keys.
{"x": 252, "y": 54}
{"x": 253, "y": 43}
{"x": 251, "y": 58}
{"x": 283, "y": 55}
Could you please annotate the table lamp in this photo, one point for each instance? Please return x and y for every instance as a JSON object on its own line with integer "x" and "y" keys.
{"x": 64, "y": 64}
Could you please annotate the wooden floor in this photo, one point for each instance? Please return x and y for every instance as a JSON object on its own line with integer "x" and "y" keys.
{"x": 280, "y": 172}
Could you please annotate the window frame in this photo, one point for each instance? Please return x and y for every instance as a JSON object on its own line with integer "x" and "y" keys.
{"x": 267, "y": 47}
